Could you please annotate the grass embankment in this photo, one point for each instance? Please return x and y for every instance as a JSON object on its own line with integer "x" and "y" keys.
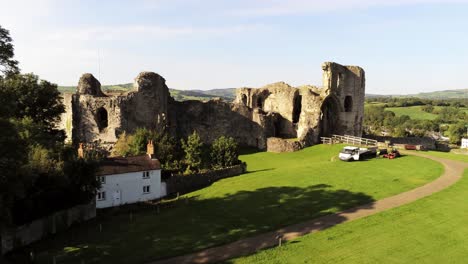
{"x": 278, "y": 190}
{"x": 430, "y": 230}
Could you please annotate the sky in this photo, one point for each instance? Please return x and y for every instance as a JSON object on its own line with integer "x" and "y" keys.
{"x": 405, "y": 46}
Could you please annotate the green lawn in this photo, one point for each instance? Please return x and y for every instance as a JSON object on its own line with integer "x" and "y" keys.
{"x": 447, "y": 155}
{"x": 278, "y": 190}
{"x": 430, "y": 230}
{"x": 414, "y": 112}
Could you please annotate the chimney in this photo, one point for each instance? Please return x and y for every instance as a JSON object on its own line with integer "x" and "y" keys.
{"x": 81, "y": 151}
{"x": 150, "y": 149}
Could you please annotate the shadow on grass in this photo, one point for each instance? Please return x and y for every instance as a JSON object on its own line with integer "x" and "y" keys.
{"x": 192, "y": 224}
{"x": 248, "y": 172}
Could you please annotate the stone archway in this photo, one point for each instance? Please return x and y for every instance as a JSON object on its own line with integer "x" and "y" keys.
{"x": 297, "y": 108}
{"x": 102, "y": 119}
{"x": 329, "y": 117}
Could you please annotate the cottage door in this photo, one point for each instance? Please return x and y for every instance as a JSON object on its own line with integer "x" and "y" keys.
{"x": 116, "y": 197}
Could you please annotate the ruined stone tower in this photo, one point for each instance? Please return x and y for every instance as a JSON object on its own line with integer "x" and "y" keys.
{"x": 276, "y": 117}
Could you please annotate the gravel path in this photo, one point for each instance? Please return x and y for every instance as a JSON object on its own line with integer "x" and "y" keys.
{"x": 452, "y": 173}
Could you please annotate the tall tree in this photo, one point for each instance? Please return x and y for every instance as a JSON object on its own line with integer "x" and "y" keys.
{"x": 38, "y": 99}
{"x": 7, "y": 64}
{"x": 193, "y": 152}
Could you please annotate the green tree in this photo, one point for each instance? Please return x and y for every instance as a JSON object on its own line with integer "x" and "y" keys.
{"x": 193, "y": 149}
{"x": 38, "y": 99}
{"x": 12, "y": 158}
{"x": 427, "y": 108}
{"x": 456, "y": 132}
{"x": 7, "y": 64}
{"x": 400, "y": 131}
{"x": 122, "y": 146}
{"x": 224, "y": 152}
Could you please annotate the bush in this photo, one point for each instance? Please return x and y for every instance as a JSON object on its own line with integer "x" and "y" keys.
{"x": 224, "y": 152}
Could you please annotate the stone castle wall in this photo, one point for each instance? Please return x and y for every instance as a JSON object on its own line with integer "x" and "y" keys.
{"x": 300, "y": 114}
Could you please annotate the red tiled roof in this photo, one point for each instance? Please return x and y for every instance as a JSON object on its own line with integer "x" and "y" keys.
{"x": 119, "y": 165}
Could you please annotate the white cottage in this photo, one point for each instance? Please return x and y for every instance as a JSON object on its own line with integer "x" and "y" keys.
{"x": 126, "y": 180}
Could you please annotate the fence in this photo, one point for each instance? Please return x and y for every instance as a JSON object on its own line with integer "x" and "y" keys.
{"x": 352, "y": 140}
{"x": 13, "y": 238}
{"x": 188, "y": 183}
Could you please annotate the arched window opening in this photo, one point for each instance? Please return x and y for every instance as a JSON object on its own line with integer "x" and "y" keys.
{"x": 329, "y": 118}
{"x": 348, "y": 104}
{"x": 102, "y": 118}
{"x": 297, "y": 108}
{"x": 244, "y": 99}
{"x": 260, "y": 103}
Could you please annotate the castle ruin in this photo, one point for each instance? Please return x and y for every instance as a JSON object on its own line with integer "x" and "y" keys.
{"x": 276, "y": 117}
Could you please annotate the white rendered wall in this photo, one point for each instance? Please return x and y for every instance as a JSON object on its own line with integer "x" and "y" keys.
{"x": 130, "y": 186}
{"x": 464, "y": 143}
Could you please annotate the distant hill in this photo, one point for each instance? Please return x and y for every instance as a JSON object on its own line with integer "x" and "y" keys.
{"x": 446, "y": 94}
{"x": 227, "y": 94}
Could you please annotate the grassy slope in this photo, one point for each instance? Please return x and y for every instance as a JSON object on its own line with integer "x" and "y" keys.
{"x": 280, "y": 189}
{"x": 430, "y": 230}
{"x": 455, "y": 94}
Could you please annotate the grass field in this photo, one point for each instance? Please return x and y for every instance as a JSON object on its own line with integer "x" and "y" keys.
{"x": 278, "y": 190}
{"x": 430, "y": 230}
{"x": 447, "y": 155}
{"x": 414, "y": 112}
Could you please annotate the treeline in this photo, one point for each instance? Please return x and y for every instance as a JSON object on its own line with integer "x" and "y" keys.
{"x": 180, "y": 156}
{"x": 413, "y": 101}
{"x": 38, "y": 173}
{"x": 452, "y": 120}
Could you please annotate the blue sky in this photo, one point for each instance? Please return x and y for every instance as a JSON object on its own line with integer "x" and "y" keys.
{"x": 405, "y": 46}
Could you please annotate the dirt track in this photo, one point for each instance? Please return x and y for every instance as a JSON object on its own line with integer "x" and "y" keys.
{"x": 453, "y": 172}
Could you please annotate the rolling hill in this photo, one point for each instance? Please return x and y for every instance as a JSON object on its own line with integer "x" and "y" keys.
{"x": 227, "y": 94}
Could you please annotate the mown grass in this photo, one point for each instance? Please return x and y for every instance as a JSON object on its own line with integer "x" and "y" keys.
{"x": 278, "y": 190}
{"x": 430, "y": 230}
{"x": 447, "y": 155}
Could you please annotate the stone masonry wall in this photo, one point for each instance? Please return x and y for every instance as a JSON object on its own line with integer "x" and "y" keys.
{"x": 183, "y": 184}
{"x": 21, "y": 236}
{"x": 302, "y": 114}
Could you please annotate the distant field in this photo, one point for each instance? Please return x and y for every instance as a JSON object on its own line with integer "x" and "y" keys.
{"x": 430, "y": 230}
{"x": 414, "y": 112}
{"x": 278, "y": 190}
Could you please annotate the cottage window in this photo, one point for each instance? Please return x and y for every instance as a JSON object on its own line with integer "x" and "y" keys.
{"x": 101, "y": 196}
{"x": 146, "y": 175}
{"x": 102, "y": 179}
{"x": 146, "y": 189}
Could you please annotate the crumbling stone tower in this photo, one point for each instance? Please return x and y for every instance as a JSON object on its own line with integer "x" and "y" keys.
{"x": 304, "y": 114}
{"x": 94, "y": 116}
